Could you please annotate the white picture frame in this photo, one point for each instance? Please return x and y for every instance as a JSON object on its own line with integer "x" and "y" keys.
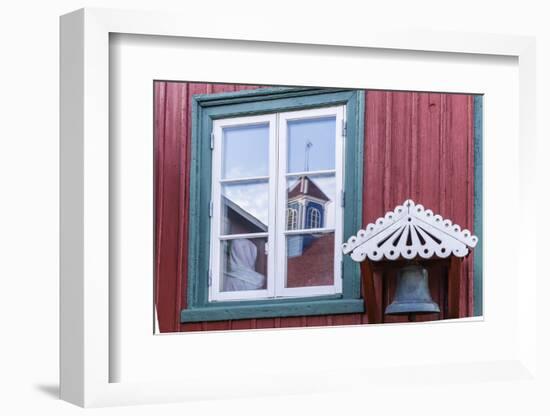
{"x": 87, "y": 309}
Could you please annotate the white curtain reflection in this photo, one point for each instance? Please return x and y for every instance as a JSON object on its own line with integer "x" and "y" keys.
{"x": 242, "y": 274}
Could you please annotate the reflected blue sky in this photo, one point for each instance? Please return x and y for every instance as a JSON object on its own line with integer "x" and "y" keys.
{"x": 245, "y": 151}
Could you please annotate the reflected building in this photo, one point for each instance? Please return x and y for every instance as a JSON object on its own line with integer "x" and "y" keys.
{"x": 306, "y": 205}
{"x": 237, "y": 220}
{"x": 306, "y": 210}
{"x": 309, "y": 253}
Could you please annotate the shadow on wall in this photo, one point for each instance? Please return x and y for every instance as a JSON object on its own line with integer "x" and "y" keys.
{"x": 51, "y": 390}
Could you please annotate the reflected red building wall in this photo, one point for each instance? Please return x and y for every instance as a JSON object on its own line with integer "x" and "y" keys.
{"x": 312, "y": 267}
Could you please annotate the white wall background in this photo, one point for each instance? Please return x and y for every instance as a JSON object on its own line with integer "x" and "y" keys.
{"x": 29, "y": 185}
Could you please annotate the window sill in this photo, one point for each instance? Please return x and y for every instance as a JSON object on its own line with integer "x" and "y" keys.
{"x": 272, "y": 310}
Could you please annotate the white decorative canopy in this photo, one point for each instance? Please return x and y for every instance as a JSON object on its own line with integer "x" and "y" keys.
{"x": 409, "y": 231}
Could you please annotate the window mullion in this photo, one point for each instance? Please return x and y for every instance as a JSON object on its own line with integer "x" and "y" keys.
{"x": 273, "y": 208}
{"x": 280, "y": 178}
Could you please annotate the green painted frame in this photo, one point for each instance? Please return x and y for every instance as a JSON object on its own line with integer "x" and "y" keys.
{"x": 209, "y": 107}
{"x": 478, "y": 204}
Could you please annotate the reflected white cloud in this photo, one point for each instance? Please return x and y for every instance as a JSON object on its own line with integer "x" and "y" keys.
{"x": 252, "y": 198}
{"x": 246, "y": 151}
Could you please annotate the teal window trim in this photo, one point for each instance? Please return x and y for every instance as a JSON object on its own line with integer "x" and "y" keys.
{"x": 209, "y": 107}
{"x": 478, "y": 204}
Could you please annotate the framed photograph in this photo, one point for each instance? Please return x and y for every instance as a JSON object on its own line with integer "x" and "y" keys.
{"x": 258, "y": 187}
{"x": 246, "y": 216}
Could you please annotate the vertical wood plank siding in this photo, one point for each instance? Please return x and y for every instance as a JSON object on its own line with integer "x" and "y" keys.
{"x": 417, "y": 145}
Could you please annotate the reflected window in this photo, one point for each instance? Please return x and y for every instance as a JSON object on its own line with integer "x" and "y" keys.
{"x": 292, "y": 218}
{"x": 314, "y": 218}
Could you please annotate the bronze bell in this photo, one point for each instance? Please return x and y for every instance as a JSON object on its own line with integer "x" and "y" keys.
{"x": 412, "y": 294}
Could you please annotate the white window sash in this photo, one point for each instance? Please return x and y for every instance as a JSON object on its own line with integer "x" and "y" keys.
{"x": 281, "y": 251}
{"x": 277, "y": 221}
{"x": 214, "y": 292}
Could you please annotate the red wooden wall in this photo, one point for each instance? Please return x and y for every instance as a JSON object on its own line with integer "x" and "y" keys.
{"x": 417, "y": 145}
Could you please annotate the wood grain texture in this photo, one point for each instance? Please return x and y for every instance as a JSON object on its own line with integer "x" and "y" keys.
{"x": 369, "y": 293}
{"x": 170, "y": 245}
{"x": 420, "y": 146}
{"x": 417, "y": 145}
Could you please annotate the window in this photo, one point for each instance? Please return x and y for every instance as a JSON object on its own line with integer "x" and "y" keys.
{"x": 265, "y": 166}
{"x": 292, "y": 218}
{"x": 268, "y": 197}
{"x": 314, "y": 218}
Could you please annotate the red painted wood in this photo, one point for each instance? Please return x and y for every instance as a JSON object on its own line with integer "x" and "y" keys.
{"x": 368, "y": 292}
{"x": 243, "y": 324}
{"x": 417, "y": 145}
{"x": 400, "y": 148}
{"x": 168, "y": 223}
{"x": 455, "y": 288}
{"x": 379, "y": 293}
{"x": 459, "y": 177}
{"x": 430, "y": 136}
{"x": 374, "y": 170}
{"x": 164, "y": 307}
{"x": 469, "y": 263}
{"x": 316, "y": 321}
{"x": 427, "y": 184}
{"x": 190, "y": 327}
{"x": 290, "y": 322}
{"x": 428, "y": 124}
{"x": 348, "y": 319}
{"x": 265, "y": 323}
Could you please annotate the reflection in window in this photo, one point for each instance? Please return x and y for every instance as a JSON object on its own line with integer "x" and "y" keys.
{"x": 311, "y": 144}
{"x": 312, "y": 198}
{"x": 254, "y": 159}
{"x": 244, "y": 207}
{"x": 241, "y": 142}
{"x": 308, "y": 260}
{"x": 243, "y": 266}
{"x": 292, "y": 219}
{"x": 314, "y": 218}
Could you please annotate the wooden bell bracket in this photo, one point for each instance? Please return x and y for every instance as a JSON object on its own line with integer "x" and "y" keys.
{"x": 409, "y": 232}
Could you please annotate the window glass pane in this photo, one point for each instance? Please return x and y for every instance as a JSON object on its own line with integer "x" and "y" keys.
{"x": 311, "y": 202}
{"x": 243, "y": 264}
{"x": 245, "y": 151}
{"x": 244, "y": 207}
{"x": 310, "y": 260}
{"x": 311, "y": 144}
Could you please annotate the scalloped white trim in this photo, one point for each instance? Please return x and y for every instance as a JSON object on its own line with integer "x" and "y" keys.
{"x": 428, "y": 235}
